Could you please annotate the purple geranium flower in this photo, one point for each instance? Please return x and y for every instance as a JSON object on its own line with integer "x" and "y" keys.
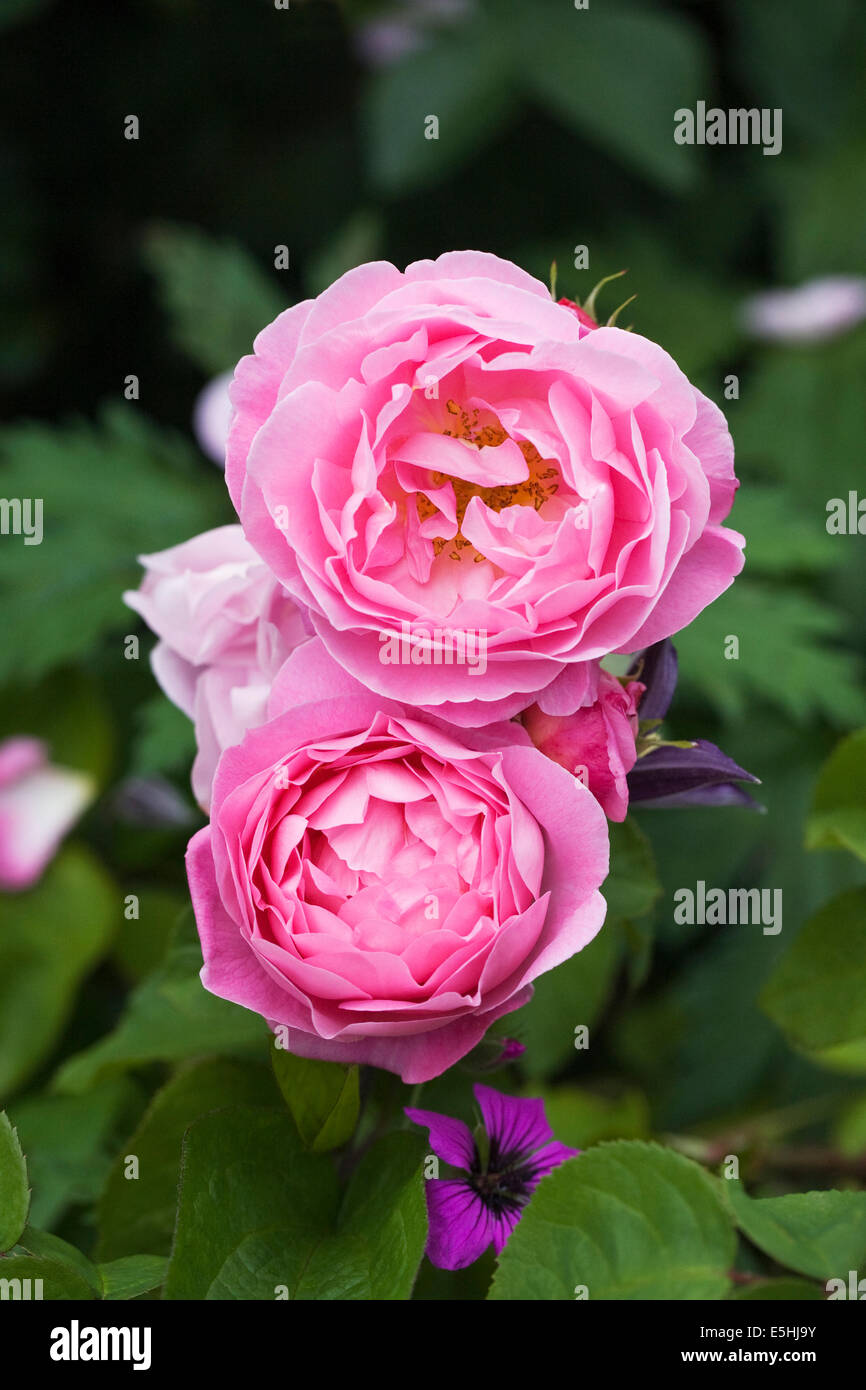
{"x": 469, "y": 1213}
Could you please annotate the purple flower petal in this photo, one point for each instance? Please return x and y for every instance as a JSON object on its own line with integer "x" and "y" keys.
{"x": 461, "y": 1226}
{"x": 518, "y": 1126}
{"x": 451, "y": 1140}
{"x": 667, "y": 772}
{"x": 657, "y": 668}
{"x": 504, "y": 1223}
{"x": 549, "y": 1158}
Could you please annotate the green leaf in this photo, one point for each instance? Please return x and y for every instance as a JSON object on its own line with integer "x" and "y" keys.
{"x": 60, "y": 1282}
{"x": 590, "y": 68}
{"x": 822, "y": 1234}
{"x": 573, "y": 994}
{"x": 632, "y": 887}
{"x": 14, "y": 1189}
{"x": 244, "y": 1173}
{"x": 781, "y": 535}
{"x": 322, "y": 1096}
{"x": 627, "y": 1220}
{"x": 165, "y": 740}
{"x": 170, "y": 1017}
{"x": 850, "y": 1129}
{"x": 142, "y": 942}
{"x": 43, "y": 1245}
{"x": 70, "y": 1142}
{"x": 579, "y": 1117}
{"x": 817, "y": 994}
{"x": 50, "y": 937}
{"x": 838, "y": 819}
{"x": 784, "y": 656}
{"x": 63, "y": 596}
{"x": 778, "y": 1291}
{"x": 137, "y": 1214}
{"x": 216, "y": 296}
{"x": 463, "y": 80}
{"x": 384, "y": 1210}
{"x": 132, "y": 1276}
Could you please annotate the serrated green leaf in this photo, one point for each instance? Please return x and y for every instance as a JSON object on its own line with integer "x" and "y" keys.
{"x": 244, "y": 1172}
{"x": 322, "y": 1097}
{"x": 60, "y": 1282}
{"x": 838, "y": 818}
{"x": 822, "y": 1234}
{"x": 50, "y": 937}
{"x": 817, "y": 994}
{"x": 138, "y": 1213}
{"x": 216, "y": 296}
{"x": 14, "y": 1188}
{"x": 385, "y": 1211}
{"x": 627, "y": 1220}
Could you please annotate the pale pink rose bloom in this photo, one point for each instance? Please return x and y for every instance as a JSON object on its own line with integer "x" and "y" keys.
{"x": 449, "y": 448}
{"x": 819, "y": 309}
{"x": 39, "y": 803}
{"x": 596, "y": 742}
{"x": 212, "y": 416}
{"x": 385, "y": 886}
{"x": 226, "y": 627}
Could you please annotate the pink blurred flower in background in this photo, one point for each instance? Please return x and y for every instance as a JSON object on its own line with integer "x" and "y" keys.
{"x": 212, "y": 416}
{"x": 39, "y": 803}
{"x": 226, "y": 627}
{"x": 819, "y": 309}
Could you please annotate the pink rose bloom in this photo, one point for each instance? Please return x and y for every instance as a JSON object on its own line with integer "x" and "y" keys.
{"x": 597, "y": 742}
{"x": 383, "y": 886}
{"x": 226, "y": 627}
{"x": 38, "y": 804}
{"x": 450, "y": 449}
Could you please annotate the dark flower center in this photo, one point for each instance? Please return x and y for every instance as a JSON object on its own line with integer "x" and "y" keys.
{"x": 504, "y": 1185}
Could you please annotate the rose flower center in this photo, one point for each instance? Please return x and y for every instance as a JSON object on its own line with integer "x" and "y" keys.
{"x": 534, "y": 491}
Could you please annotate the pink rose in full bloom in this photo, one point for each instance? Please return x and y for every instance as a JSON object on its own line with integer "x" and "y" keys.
{"x": 226, "y": 627}
{"x": 596, "y": 742}
{"x": 39, "y": 803}
{"x": 382, "y": 885}
{"x": 449, "y": 449}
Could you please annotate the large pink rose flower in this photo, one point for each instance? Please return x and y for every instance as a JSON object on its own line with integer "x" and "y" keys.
{"x": 449, "y": 449}
{"x": 597, "y": 742}
{"x": 226, "y": 626}
{"x": 382, "y": 885}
